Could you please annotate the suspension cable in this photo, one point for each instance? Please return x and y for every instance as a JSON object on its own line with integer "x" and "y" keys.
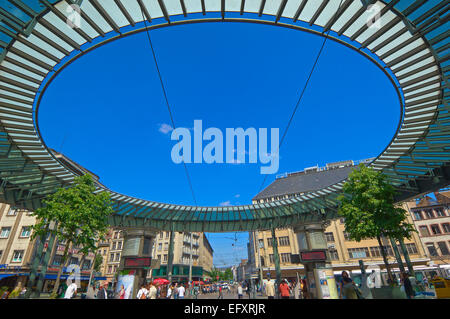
{"x": 303, "y": 91}
{"x": 167, "y": 100}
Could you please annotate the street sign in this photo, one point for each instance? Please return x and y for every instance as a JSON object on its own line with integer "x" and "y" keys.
{"x": 313, "y": 255}
{"x": 137, "y": 262}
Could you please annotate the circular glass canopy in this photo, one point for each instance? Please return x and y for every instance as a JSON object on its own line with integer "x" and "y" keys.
{"x": 405, "y": 39}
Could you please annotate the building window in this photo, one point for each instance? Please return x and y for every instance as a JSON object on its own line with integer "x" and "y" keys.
{"x": 439, "y": 212}
{"x": 111, "y": 257}
{"x": 262, "y": 261}
{"x": 86, "y": 264}
{"x": 286, "y": 258}
{"x": 342, "y": 220}
{"x": 118, "y": 257}
{"x": 165, "y": 258}
{"x": 26, "y": 231}
{"x": 159, "y": 257}
{"x": 114, "y": 246}
{"x": 269, "y": 242}
{"x": 17, "y": 256}
{"x": 261, "y": 243}
{"x": 333, "y": 254}
{"x": 417, "y": 215}
{"x": 375, "y": 251}
{"x": 161, "y": 234}
{"x": 283, "y": 241}
{"x": 119, "y": 245}
{"x": 73, "y": 261}
{"x": 11, "y": 212}
{"x": 424, "y": 231}
{"x": 5, "y": 232}
{"x": 57, "y": 260}
{"x": 329, "y": 237}
{"x": 109, "y": 269}
{"x": 271, "y": 258}
{"x": 411, "y": 248}
{"x": 446, "y": 227}
{"x": 346, "y": 236}
{"x": 1, "y": 253}
{"x": 443, "y": 248}
{"x": 435, "y": 229}
{"x": 358, "y": 252}
{"x": 160, "y": 246}
{"x": 166, "y": 246}
{"x": 429, "y": 213}
{"x": 432, "y": 249}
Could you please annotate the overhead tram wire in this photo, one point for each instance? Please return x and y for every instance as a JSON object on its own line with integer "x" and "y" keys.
{"x": 303, "y": 91}
{"x": 167, "y": 100}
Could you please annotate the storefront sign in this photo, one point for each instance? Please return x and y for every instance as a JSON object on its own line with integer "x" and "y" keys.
{"x": 137, "y": 262}
{"x": 317, "y": 255}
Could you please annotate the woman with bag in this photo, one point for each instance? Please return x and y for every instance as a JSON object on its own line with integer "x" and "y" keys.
{"x": 347, "y": 286}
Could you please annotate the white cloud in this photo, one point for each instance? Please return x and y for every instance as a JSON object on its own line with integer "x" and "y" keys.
{"x": 237, "y": 195}
{"x": 227, "y": 203}
{"x": 165, "y": 128}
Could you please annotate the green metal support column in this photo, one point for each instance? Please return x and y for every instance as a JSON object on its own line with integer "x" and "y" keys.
{"x": 38, "y": 252}
{"x": 397, "y": 255}
{"x": 406, "y": 255}
{"x": 170, "y": 256}
{"x": 276, "y": 259}
{"x": 45, "y": 262}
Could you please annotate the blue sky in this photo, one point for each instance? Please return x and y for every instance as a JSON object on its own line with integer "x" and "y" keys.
{"x": 107, "y": 112}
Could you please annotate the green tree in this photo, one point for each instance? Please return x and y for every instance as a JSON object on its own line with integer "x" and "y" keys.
{"x": 369, "y": 209}
{"x": 98, "y": 262}
{"x": 214, "y": 273}
{"x": 80, "y": 218}
{"x": 228, "y": 274}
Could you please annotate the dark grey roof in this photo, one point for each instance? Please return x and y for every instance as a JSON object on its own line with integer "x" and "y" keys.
{"x": 301, "y": 182}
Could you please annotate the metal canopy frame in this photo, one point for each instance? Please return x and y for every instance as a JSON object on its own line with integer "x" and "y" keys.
{"x": 411, "y": 47}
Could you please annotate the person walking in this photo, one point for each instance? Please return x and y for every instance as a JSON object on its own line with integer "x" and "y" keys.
{"x": 142, "y": 293}
{"x": 409, "y": 291}
{"x": 285, "y": 291}
{"x": 181, "y": 292}
{"x": 102, "y": 294}
{"x": 347, "y": 287}
{"x": 152, "y": 292}
{"x": 270, "y": 288}
{"x": 175, "y": 291}
{"x": 240, "y": 291}
{"x": 169, "y": 291}
{"x": 71, "y": 291}
{"x": 220, "y": 293}
{"x": 304, "y": 288}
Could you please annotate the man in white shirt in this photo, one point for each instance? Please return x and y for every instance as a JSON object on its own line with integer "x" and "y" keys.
{"x": 181, "y": 291}
{"x": 70, "y": 291}
{"x": 142, "y": 293}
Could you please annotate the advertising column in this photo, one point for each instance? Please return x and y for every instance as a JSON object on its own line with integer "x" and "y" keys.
{"x": 135, "y": 260}
{"x": 314, "y": 256}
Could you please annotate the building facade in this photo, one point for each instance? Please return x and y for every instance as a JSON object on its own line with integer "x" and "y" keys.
{"x": 185, "y": 245}
{"x": 343, "y": 252}
{"x": 431, "y": 217}
{"x": 17, "y": 252}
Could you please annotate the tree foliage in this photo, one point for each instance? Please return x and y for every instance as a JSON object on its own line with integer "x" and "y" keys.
{"x": 369, "y": 209}
{"x": 81, "y": 216}
{"x": 76, "y": 215}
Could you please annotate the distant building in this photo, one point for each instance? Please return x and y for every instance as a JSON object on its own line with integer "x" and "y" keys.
{"x": 344, "y": 253}
{"x": 432, "y": 220}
